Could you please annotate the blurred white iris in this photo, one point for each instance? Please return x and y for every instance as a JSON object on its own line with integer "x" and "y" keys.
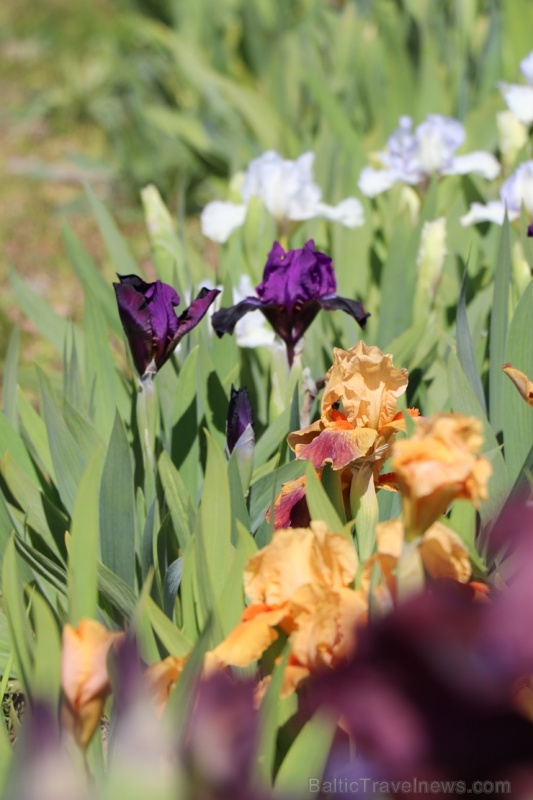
{"x": 515, "y": 192}
{"x": 252, "y": 330}
{"x": 519, "y": 98}
{"x": 289, "y": 193}
{"x": 412, "y": 156}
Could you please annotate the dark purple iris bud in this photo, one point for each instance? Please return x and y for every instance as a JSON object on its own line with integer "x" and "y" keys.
{"x": 240, "y": 437}
{"x": 240, "y": 417}
{"x": 151, "y": 325}
{"x": 296, "y": 285}
{"x": 530, "y": 230}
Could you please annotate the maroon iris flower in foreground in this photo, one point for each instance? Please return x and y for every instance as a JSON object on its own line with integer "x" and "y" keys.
{"x": 151, "y": 325}
{"x": 430, "y": 694}
{"x": 296, "y": 285}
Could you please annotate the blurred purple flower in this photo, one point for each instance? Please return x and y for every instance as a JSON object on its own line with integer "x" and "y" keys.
{"x": 428, "y": 693}
{"x": 43, "y": 766}
{"x": 222, "y": 739}
{"x": 296, "y": 285}
{"x": 151, "y": 325}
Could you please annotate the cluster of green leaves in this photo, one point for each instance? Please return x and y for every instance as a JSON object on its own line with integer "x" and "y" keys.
{"x": 189, "y": 91}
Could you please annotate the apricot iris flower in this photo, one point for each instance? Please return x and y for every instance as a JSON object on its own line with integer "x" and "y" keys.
{"x": 438, "y": 464}
{"x": 299, "y": 585}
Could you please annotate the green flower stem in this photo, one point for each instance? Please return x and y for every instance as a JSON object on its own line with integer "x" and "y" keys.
{"x": 284, "y": 379}
{"x": 147, "y": 418}
{"x": 364, "y": 507}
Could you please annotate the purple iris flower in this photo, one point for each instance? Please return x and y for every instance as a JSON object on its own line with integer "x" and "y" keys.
{"x": 151, "y": 325}
{"x": 296, "y": 285}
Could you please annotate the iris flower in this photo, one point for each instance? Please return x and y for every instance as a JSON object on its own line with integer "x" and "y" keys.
{"x": 412, "y": 157}
{"x": 296, "y": 285}
{"x": 151, "y": 325}
{"x": 299, "y": 584}
{"x": 357, "y": 426}
{"x": 289, "y": 193}
{"x": 516, "y": 191}
{"x": 440, "y": 463}
{"x": 359, "y": 410}
{"x": 519, "y": 99}
{"x": 440, "y": 550}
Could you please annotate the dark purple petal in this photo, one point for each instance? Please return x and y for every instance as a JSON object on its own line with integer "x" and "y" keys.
{"x": 149, "y": 319}
{"x": 192, "y": 315}
{"x": 291, "y": 326}
{"x": 137, "y": 324}
{"x": 224, "y": 320}
{"x": 294, "y": 277}
{"x": 352, "y": 307}
{"x": 530, "y": 230}
{"x": 148, "y": 316}
{"x": 162, "y": 299}
{"x": 240, "y": 416}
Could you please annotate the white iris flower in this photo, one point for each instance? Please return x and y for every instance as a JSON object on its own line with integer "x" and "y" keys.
{"x": 289, "y": 193}
{"x": 519, "y": 98}
{"x": 413, "y": 156}
{"x": 517, "y": 191}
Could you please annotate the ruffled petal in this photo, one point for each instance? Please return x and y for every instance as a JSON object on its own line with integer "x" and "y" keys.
{"x": 219, "y": 219}
{"x": 519, "y": 100}
{"x": 479, "y": 161}
{"x": 348, "y": 212}
{"x": 492, "y": 212}
{"x": 376, "y": 181}
{"x": 247, "y": 641}
{"x": 337, "y": 446}
{"x": 290, "y": 506}
{"x": 444, "y": 555}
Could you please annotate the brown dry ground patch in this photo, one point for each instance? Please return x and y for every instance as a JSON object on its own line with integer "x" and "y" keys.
{"x": 41, "y": 172}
